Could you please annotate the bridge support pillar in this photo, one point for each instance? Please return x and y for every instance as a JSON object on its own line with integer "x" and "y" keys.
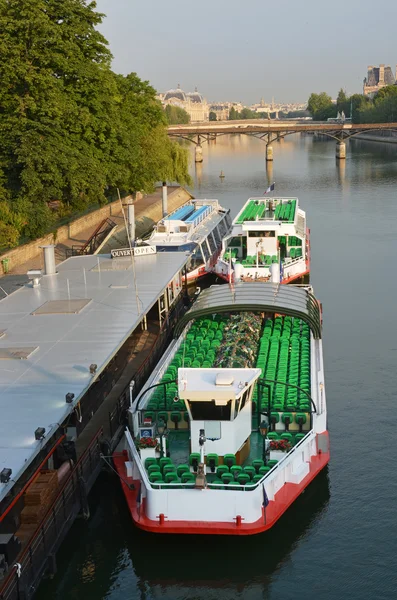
{"x": 269, "y": 152}
{"x": 341, "y": 150}
{"x": 198, "y": 154}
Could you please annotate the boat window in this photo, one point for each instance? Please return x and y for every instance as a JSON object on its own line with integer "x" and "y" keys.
{"x": 211, "y": 243}
{"x": 205, "y": 251}
{"x": 241, "y": 402}
{"x": 209, "y": 411}
{"x": 217, "y": 237}
{"x": 235, "y": 241}
{"x": 222, "y": 227}
{"x": 257, "y": 234}
{"x": 196, "y": 258}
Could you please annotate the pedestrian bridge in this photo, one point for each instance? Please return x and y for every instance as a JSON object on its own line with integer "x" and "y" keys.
{"x": 271, "y": 131}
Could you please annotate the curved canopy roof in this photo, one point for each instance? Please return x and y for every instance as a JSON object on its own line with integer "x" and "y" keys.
{"x": 256, "y": 296}
{"x": 178, "y": 94}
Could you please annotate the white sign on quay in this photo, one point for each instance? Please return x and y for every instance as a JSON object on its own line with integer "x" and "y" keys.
{"x": 137, "y": 251}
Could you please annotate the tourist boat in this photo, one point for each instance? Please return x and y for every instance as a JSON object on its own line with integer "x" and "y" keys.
{"x": 197, "y": 227}
{"x": 232, "y": 425}
{"x": 269, "y": 241}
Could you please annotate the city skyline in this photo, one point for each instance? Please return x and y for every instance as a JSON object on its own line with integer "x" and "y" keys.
{"x": 230, "y": 53}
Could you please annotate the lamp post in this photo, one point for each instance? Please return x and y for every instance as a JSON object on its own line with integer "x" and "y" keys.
{"x": 263, "y": 428}
{"x": 161, "y": 430}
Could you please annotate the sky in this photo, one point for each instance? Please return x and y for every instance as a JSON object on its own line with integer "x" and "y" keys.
{"x": 240, "y": 50}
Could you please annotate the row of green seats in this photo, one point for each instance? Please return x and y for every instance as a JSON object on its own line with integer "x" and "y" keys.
{"x": 294, "y": 241}
{"x": 286, "y": 435}
{"x": 285, "y": 211}
{"x": 198, "y": 350}
{"x": 284, "y": 355}
{"x": 252, "y": 211}
{"x": 295, "y": 252}
{"x": 232, "y": 253}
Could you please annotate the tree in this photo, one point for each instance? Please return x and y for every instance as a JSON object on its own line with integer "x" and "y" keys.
{"x": 233, "y": 114}
{"x": 319, "y": 105}
{"x": 341, "y": 99}
{"x": 176, "y": 115}
{"x": 212, "y": 116}
{"x": 71, "y": 128}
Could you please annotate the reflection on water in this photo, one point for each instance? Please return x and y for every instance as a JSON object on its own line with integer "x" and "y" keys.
{"x": 337, "y": 540}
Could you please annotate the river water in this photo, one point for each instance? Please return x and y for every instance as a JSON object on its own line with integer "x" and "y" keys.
{"x": 339, "y": 539}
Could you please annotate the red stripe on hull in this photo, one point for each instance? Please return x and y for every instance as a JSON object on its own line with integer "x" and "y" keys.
{"x": 275, "y": 509}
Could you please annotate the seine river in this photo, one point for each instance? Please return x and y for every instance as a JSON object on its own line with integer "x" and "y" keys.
{"x": 339, "y": 539}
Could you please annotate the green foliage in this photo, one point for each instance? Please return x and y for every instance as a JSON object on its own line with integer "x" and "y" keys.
{"x": 341, "y": 100}
{"x": 320, "y": 107}
{"x": 233, "y": 114}
{"x": 212, "y": 116}
{"x": 70, "y": 127}
{"x": 176, "y": 115}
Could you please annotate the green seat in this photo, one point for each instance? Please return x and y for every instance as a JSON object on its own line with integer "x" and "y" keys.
{"x": 300, "y": 419}
{"x": 176, "y": 418}
{"x": 272, "y": 435}
{"x": 243, "y": 478}
{"x": 236, "y": 470}
{"x": 162, "y": 416}
{"x": 251, "y": 471}
{"x": 212, "y": 461}
{"x": 264, "y": 470}
{"x": 153, "y": 469}
{"x": 274, "y": 418}
{"x": 171, "y": 477}
{"x": 272, "y": 463}
{"x": 227, "y": 478}
{"x": 183, "y": 469}
{"x": 188, "y": 478}
{"x": 257, "y": 478}
{"x": 150, "y": 461}
{"x": 257, "y": 464}
{"x": 194, "y": 460}
{"x": 155, "y": 477}
{"x": 287, "y": 419}
{"x": 221, "y": 470}
{"x": 165, "y": 460}
{"x": 287, "y": 436}
{"x": 148, "y": 415}
{"x": 169, "y": 469}
{"x": 299, "y": 437}
{"x": 229, "y": 460}
{"x": 218, "y": 483}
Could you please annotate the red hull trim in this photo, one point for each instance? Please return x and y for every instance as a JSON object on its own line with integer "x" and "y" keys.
{"x": 275, "y": 509}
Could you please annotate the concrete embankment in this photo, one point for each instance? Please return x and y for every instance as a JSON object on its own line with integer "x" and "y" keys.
{"x": 369, "y": 137}
{"x": 148, "y": 210}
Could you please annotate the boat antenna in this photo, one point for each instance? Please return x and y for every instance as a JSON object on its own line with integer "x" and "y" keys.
{"x": 138, "y": 301}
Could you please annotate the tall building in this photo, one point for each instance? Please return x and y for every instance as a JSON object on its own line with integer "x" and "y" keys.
{"x": 192, "y": 102}
{"x": 377, "y": 78}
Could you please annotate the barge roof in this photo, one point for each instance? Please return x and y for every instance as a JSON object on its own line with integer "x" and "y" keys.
{"x": 51, "y": 334}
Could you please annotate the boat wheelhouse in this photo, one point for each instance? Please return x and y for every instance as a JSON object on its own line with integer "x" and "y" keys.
{"x": 197, "y": 227}
{"x": 269, "y": 241}
{"x": 232, "y": 425}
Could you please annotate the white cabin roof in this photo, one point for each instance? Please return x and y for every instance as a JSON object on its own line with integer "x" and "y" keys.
{"x": 220, "y": 385}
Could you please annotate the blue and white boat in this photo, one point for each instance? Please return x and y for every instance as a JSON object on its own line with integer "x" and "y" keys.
{"x": 197, "y": 227}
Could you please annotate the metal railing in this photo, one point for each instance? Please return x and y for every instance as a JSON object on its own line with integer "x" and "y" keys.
{"x": 93, "y": 243}
{"x": 24, "y": 577}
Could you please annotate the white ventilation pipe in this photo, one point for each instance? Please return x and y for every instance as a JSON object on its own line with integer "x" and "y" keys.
{"x": 49, "y": 259}
{"x": 131, "y": 223}
{"x": 165, "y": 199}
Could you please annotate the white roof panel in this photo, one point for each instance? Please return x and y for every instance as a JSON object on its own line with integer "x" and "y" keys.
{"x": 32, "y": 390}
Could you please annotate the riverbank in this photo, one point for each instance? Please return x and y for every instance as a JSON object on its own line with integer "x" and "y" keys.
{"x": 148, "y": 210}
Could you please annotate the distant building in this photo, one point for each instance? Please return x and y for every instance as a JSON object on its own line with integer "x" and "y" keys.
{"x": 222, "y": 109}
{"x": 377, "y": 78}
{"x": 192, "y": 102}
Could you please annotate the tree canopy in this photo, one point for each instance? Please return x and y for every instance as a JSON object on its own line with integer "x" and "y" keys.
{"x": 71, "y": 129}
{"x": 176, "y": 115}
{"x": 321, "y": 107}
